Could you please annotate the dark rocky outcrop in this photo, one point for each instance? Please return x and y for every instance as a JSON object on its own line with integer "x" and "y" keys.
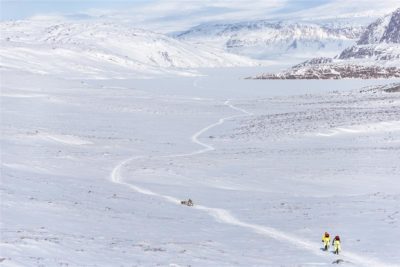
{"x": 334, "y": 72}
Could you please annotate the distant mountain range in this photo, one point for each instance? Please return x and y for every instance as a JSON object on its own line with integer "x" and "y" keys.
{"x": 271, "y": 40}
{"x": 375, "y": 55}
{"x": 98, "y": 49}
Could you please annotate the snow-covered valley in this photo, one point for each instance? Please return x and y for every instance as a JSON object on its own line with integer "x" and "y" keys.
{"x": 93, "y": 171}
{"x": 130, "y": 135}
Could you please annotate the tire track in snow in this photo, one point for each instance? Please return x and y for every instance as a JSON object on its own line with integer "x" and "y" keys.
{"x": 224, "y": 216}
{"x": 116, "y": 172}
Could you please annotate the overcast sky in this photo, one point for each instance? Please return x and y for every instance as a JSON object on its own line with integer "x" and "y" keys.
{"x": 171, "y": 15}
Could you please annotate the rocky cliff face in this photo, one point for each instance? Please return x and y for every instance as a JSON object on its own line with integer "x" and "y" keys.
{"x": 380, "y": 41}
{"x": 374, "y": 32}
{"x": 377, "y": 52}
{"x": 392, "y": 33}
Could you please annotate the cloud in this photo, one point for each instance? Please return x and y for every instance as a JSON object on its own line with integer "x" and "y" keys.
{"x": 47, "y": 17}
{"x": 177, "y": 15}
{"x": 349, "y": 9}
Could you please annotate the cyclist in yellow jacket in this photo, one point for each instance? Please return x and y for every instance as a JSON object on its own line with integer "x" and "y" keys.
{"x": 326, "y": 239}
{"x": 336, "y": 245}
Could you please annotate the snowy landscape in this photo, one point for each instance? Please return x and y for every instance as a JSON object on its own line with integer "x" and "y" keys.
{"x": 375, "y": 55}
{"x": 107, "y": 124}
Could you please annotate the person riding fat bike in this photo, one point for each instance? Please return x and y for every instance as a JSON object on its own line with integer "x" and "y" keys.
{"x": 336, "y": 245}
{"x": 326, "y": 239}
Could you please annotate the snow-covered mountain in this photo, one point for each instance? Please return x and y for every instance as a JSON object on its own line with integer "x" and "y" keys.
{"x": 384, "y": 30}
{"x": 265, "y": 39}
{"x": 375, "y": 31}
{"x": 102, "y": 49}
{"x": 376, "y": 55}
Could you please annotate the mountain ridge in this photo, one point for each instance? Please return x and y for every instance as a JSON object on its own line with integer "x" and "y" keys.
{"x": 265, "y": 39}
{"x": 104, "y": 48}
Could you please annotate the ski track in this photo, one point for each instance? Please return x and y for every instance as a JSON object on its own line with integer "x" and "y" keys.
{"x": 224, "y": 216}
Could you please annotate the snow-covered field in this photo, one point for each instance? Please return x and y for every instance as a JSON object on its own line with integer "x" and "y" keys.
{"x": 92, "y": 171}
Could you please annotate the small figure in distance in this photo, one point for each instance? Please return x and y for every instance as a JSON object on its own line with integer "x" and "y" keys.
{"x": 326, "y": 239}
{"x": 188, "y": 202}
{"x": 336, "y": 245}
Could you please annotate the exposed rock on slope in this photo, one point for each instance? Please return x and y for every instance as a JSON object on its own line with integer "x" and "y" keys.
{"x": 384, "y": 30}
{"x": 380, "y": 41}
{"x": 392, "y": 33}
{"x": 374, "y": 32}
{"x": 389, "y": 88}
{"x": 336, "y": 71}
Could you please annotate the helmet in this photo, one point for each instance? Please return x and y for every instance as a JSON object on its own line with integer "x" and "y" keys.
{"x": 326, "y": 234}
{"x": 337, "y": 238}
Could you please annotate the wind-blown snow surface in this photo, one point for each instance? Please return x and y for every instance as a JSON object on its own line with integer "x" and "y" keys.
{"x": 92, "y": 172}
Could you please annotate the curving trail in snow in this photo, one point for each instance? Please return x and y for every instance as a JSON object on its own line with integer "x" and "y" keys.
{"x": 224, "y": 216}
{"x": 116, "y": 172}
